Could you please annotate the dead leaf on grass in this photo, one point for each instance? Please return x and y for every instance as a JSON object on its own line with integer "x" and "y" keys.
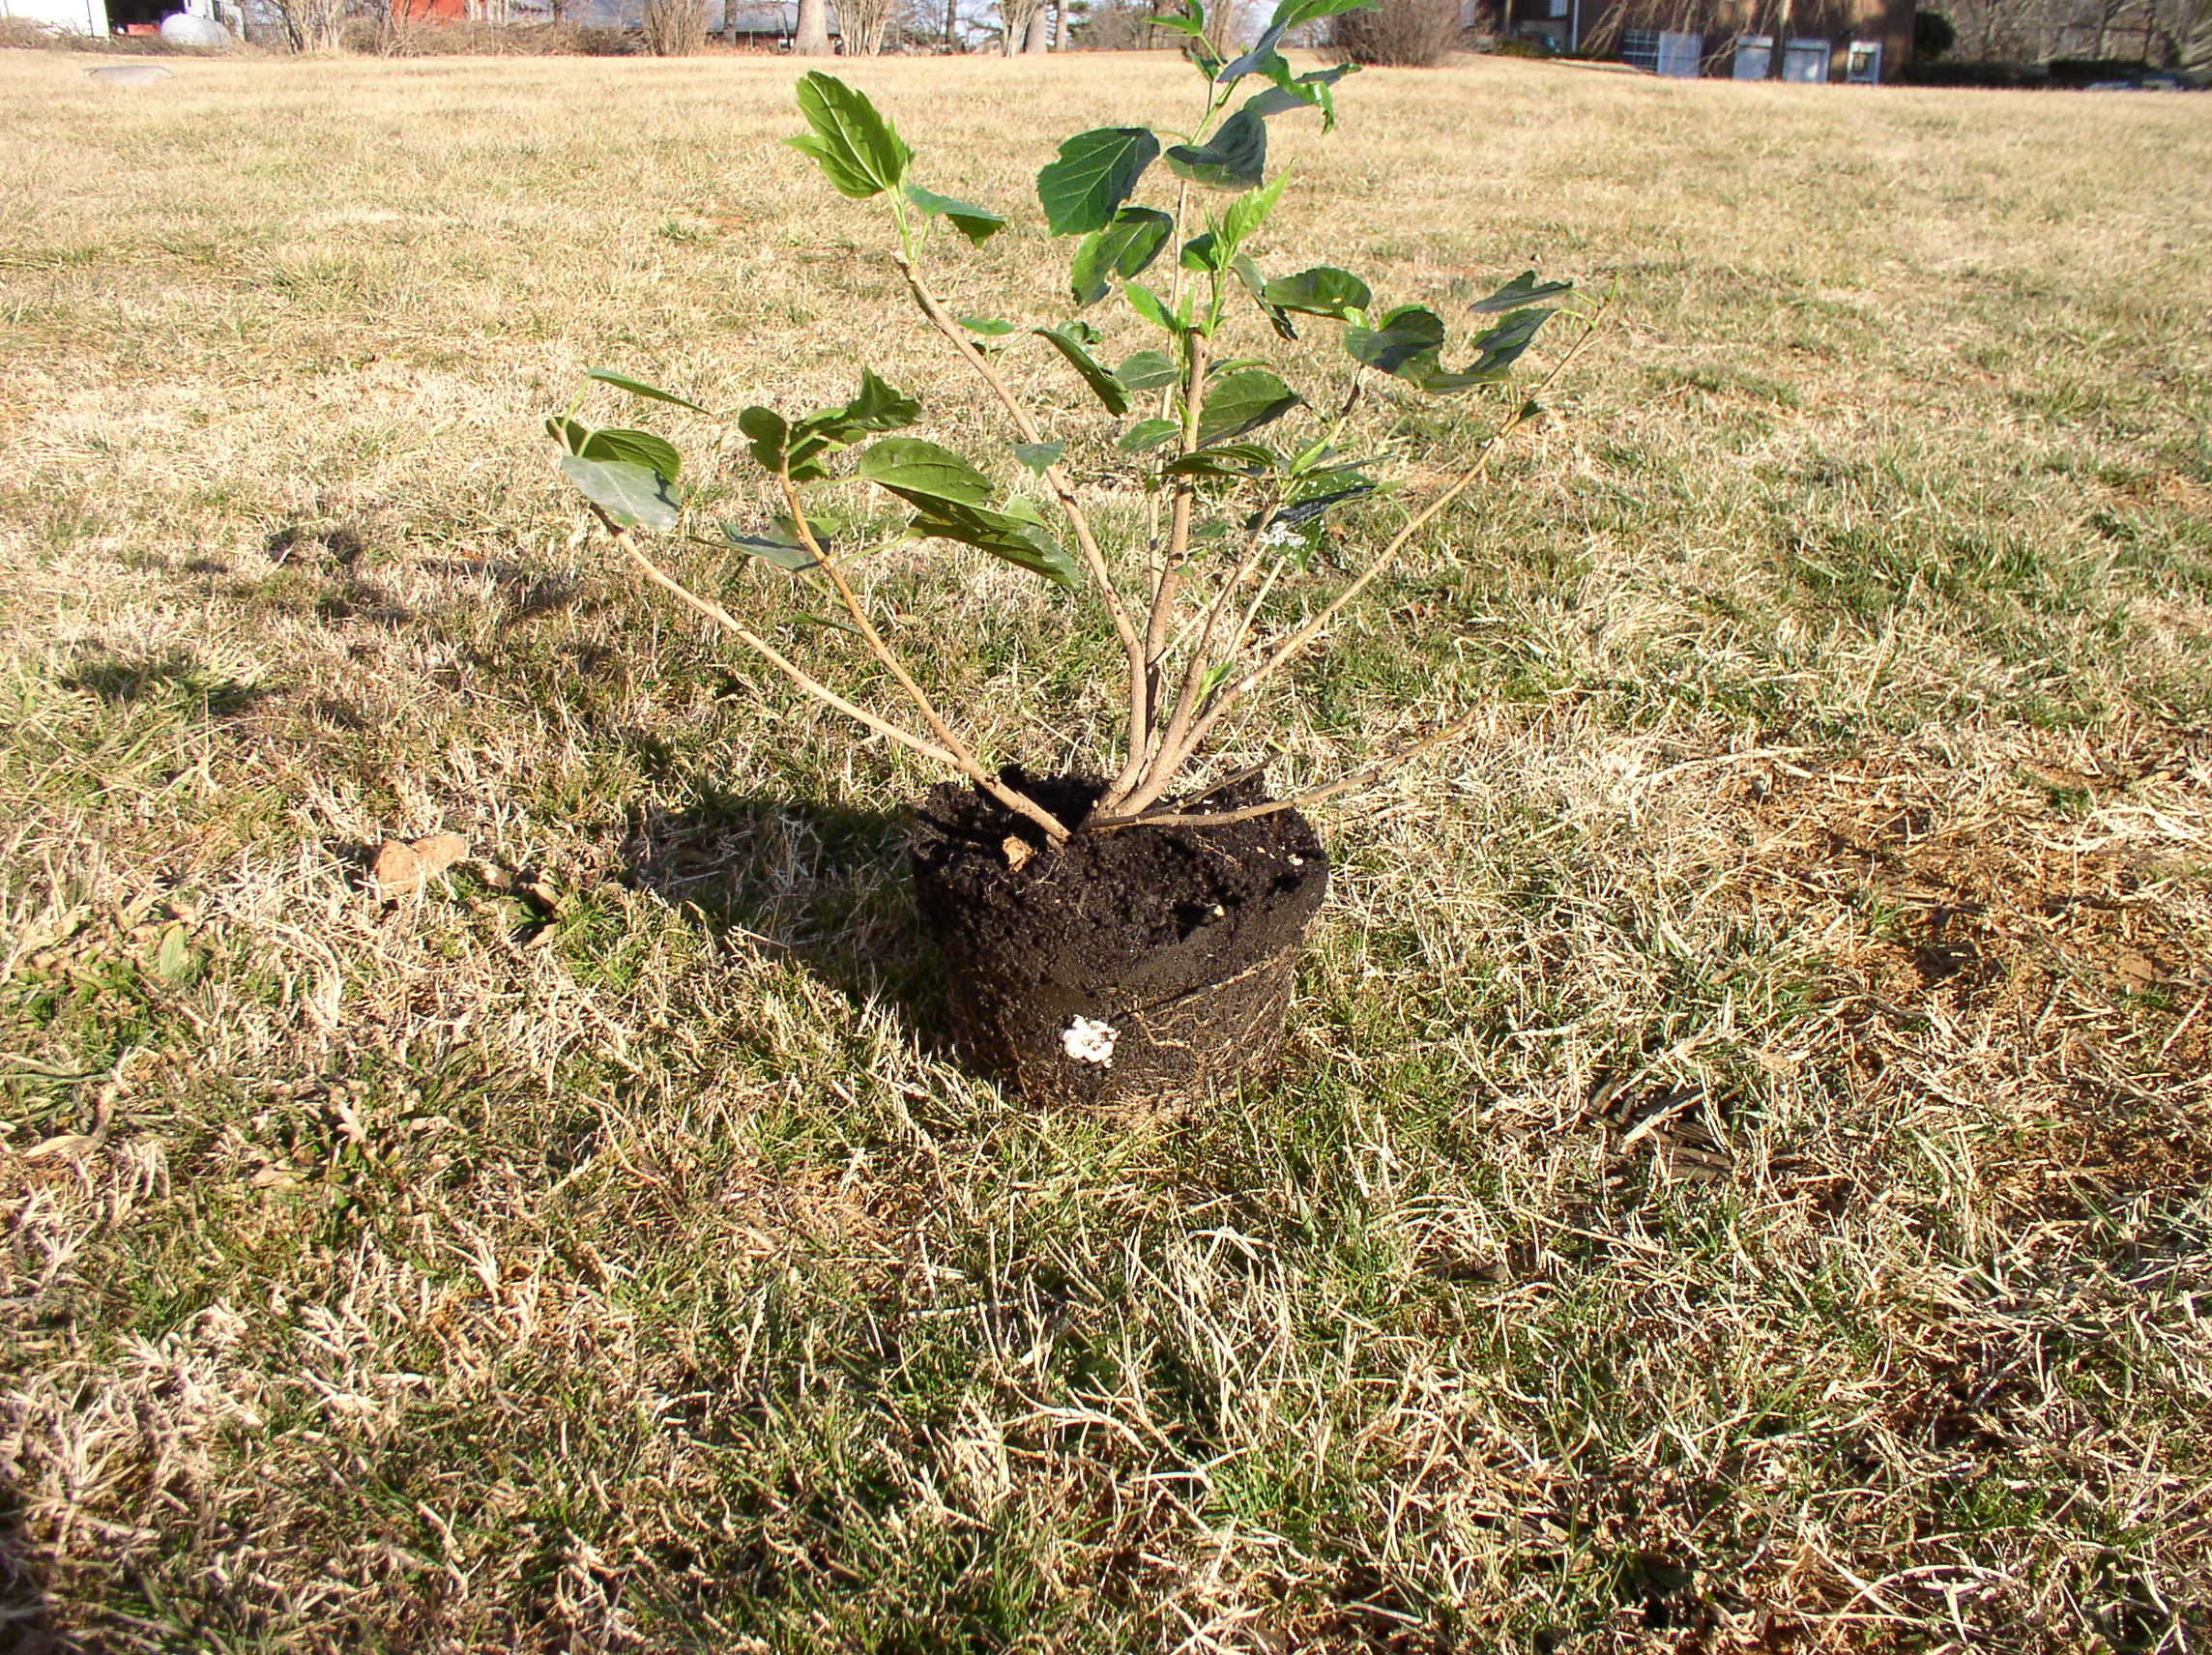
{"x": 402, "y": 866}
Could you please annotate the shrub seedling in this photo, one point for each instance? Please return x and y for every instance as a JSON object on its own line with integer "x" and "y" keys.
{"x": 1237, "y": 468}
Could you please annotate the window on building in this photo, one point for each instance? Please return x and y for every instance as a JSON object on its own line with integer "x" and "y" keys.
{"x": 1864, "y": 67}
{"x": 1806, "y": 60}
{"x": 1754, "y": 57}
{"x": 1641, "y": 47}
{"x": 1679, "y": 54}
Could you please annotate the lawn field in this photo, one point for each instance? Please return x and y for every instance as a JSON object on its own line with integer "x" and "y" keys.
{"x": 1742, "y": 1173}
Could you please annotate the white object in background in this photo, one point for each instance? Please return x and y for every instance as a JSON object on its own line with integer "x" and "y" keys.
{"x": 191, "y": 30}
{"x": 70, "y": 17}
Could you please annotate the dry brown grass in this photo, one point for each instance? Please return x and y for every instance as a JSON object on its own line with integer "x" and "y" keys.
{"x": 1742, "y": 1178}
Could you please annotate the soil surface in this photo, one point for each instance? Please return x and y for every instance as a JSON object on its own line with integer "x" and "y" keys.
{"x": 1179, "y": 939}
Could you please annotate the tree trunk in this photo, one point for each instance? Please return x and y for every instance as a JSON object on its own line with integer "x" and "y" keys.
{"x": 813, "y": 36}
{"x": 1060, "y": 26}
{"x": 951, "y": 25}
{"x": 1039, "y": 31}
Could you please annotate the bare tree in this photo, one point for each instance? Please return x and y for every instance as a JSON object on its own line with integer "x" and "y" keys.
{"x": 312, "y": 25}
{"x": 870, "y": 25}
{"x": 812, "y": 38}
{"x": 675, "y": 28}
{"x": 1037, "y": 37}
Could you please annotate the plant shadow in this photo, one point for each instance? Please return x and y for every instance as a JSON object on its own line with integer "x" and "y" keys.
{"x": 820, "y": 882}
{"x": 26, "y": 1607}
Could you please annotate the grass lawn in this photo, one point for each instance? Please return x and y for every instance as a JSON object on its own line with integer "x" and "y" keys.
{"x": 1740, "y": 1180}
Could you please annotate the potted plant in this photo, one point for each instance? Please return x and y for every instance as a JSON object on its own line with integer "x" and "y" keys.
{"x": 1125, "y": 933}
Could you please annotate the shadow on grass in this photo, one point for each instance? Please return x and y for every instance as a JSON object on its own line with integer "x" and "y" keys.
{"x": 117, "y": 679}
{"x": 26, "y": 1611}
{"x": 819, "y": 881}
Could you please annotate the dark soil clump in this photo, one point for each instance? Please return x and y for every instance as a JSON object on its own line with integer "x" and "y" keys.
{"x": 1142, "y": 966}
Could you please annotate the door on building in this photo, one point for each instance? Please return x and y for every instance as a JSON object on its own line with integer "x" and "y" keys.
{"x": 1754, "y": 57}
{"x": 1805, "y": 60}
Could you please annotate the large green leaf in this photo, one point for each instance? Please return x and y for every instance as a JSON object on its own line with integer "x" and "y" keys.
{"x": 1235, "y": 157}
{"x": 1407, "y": 339}
{"x": 631, "y": 495}
{"x": 1040, "y": 458}
{"x": 1523, "y": 289}
{"x": 989, "y": 327}
{"x": 977, "y": 223}
{"x": 1015, "y": 535}
{"x": 1110, "y": 390}
{"x": 1096, "y": 173}
{"x": 638, "y": 388}
{"x": 1150, "y": 307}
{"x": 924, "y": 474}
{"x": 639, "y": 447}
{"x": 1322, "y": 291}
{"x": 1126, "y": 247}
{"x": 1289, "y": 13}
{"x": 1242, "y": 402}
{"x": 1148, "y": 370}
{"x": 858, "y": 152}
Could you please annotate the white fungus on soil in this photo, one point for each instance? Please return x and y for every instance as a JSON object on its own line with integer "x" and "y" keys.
{"x": 1088, "y": 1041}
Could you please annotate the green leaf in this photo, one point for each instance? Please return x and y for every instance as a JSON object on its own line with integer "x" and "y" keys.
{"x": 1149, "y": 434}
{"x": 1235, "y": 157}
{"x": 989, "y": 327}
{"x": 1096, "y": 173}
{"x": 1126, "y": 247}
{"x": 977, "y": 223}
{"x": 783, "y": 549}
{"x": 1148, "y": 370}
{"x": 1150, "y": 307}
{"x": 639, "y": 447}
{"x": 1012, "y": 534}
{"x": 1110, "y": 390}
{"x": 631, "y": 495}
{"x": 1289, "y": 13}
{"x": 1203, "y": 252}
{"x": 1215, "y": 677}
{"x": 1408, "y": 338}
{"x": 1322, "y": 291}
{"x": 638, "y": 388}
{"x": 1309, "y": 91}
{"x": 1256, "y": 285}
{"x": 1242, "y": 402}
{"x": 1523, "y": 289}
{"x": 1040, "y": 458}
{"x": 858, "y": 153}
{"x": 1191, "y": 22}
{"x": 1500, "y": 348}
{"x": 570, "y": 434}
{"x": 770, "y": 435}
{"x": 1247, "y": 213}
{"x": 924, "y": 474}
{"x": 1299, "y": 513}
{"x": 1227, "y": 459}
{"x": 1262, "y": 57}
{"x": 875, "y": 407}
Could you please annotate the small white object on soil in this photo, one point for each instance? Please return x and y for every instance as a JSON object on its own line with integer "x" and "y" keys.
{"x": 1090, "y": 1042}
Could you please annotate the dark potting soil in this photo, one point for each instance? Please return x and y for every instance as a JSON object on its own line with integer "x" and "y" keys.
{"x": 1181, "y": 938}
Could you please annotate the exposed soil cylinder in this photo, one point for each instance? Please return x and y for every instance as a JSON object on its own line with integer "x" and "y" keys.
{"x": 1144, "y": 966}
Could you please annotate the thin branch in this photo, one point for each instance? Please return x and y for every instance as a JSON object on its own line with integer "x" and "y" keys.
{"x": 1296, "y": 644}
{"x": 722, "y": 618}
{"x": 1057, "y": 479}
{"x": 1352, "y": 783}
{"x": 962, "y": 758}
